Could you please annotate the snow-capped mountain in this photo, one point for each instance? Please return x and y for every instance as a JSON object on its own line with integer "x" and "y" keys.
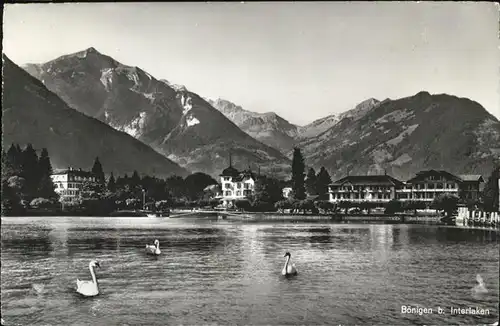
{"x": 171, "y": 119}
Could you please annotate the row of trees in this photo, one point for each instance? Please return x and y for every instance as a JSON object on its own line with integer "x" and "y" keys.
{"x": 312, "y": 184}
{"x": 136, "y": 192}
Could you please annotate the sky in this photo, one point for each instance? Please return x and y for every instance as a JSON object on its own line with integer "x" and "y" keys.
{"x": 302, "y": 60}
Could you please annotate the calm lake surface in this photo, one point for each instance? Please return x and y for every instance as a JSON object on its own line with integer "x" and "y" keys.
{"x": 224, "y": 273}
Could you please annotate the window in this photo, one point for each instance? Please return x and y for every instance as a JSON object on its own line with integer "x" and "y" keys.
{"x": 238, "y": 193}
{"x": 228, "y": 193}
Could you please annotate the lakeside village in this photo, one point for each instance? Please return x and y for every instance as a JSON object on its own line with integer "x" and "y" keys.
{"x": 31, "y": 187}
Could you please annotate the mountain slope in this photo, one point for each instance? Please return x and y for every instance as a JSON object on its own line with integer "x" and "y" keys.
{"x": 321, "y": 125}
{"x": 172, "y": 120}
{"x": 407, "y": 135}
{"x": 33, "y": 114}
{"x": 269, "y": 128}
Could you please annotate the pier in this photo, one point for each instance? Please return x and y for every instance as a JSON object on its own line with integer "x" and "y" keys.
{"x": 477, "y": 218}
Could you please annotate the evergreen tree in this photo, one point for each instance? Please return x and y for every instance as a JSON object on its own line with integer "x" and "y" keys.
{"x": 323, "y": 179}
{"x": 135, "y": 180}
{"x": 298, "y": 188}
{"x": 45, "y": 186}
{"x": 311, "y": 182}
{"x": 98, "y": 172}
{"x": 11, "y": 162}
{"x": 111, "y": 183}
{"x": 490, "y": 192}
{"x": 30, "y": 171}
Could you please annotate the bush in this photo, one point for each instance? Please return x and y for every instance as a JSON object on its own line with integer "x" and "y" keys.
{"x": 394, "y": 206}
{"x": 162, "y": 205}
{"x": 41, "y": 203}
{"x": 324, "y": 206}
{"x": 262, "y": 206}
{"x": 243, "y": 204}
{"x": 214, "y": 202}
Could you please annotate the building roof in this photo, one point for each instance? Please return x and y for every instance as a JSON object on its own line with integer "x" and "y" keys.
{"x": 230, "y": 172}
{"x": 77, "y": 172}
{"x": 368, "y": 180}
{"x": 423, "y": 174}
{"x": 471, "y": 177}
{"x": 244, "y": 175}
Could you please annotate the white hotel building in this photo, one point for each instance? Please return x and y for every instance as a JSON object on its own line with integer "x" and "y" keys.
{"x": 425, "y": 186}
{"x": 236, "y": 185}
{"x": 68, "y": 183}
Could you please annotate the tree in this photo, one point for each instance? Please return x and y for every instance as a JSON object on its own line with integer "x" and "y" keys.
{"x": 311, "y": 186}
{"x": 111, "y": 183}
{"x": 491, "y": 192}
{"x": 195, "y": 184}
{"x": 446, "y": 202}
{"x": 267, "y": 190}
{"x": 11, "y": 162}
{"x": 30, "y": 171}
{"x": 298, "y": 187}
{"x": 45, "y": 185}
{"x": 135, "y": 180}
{"x": 323, "y": 180}
{"x": 98, "y": 172}
{"x": 11, "y": 202}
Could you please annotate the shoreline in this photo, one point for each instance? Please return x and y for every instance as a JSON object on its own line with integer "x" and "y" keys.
{"x": 273, "y": 217}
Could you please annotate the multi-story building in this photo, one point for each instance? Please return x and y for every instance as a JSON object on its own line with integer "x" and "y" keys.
{"x": 68, "y": 183}
{"x": 427, "y": 185}
{"x": 236, "y": 185}
{"x": 470, "y": 187}
{"x": 364, "y": 188}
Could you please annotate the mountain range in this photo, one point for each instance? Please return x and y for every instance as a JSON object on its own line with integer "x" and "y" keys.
{"x": 33, "y": 114}
{"x": 404, "y": 136}
{"x": 396, "y": 136}
{"x": 172, "y": 120}
{"x": 275, "y": 131}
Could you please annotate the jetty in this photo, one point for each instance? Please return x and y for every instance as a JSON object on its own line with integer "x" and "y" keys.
{"x": 477, "y": 218}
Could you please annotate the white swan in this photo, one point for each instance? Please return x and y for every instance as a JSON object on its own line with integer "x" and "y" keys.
{"x": 480, "y": 287}
{"x": 154, "y": 249}
{"x": 288, "y": 269}
{"x": 89, "y": 288}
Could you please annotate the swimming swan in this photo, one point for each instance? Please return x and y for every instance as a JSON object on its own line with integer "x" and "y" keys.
{"x": 89, "y": 288}
{"x": 153, "y": 249}
{"x": 288, "y": 269}
{"x": 480, "y": 287}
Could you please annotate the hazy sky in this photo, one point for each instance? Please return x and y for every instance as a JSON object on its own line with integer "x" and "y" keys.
{"x": 301, "y": 60}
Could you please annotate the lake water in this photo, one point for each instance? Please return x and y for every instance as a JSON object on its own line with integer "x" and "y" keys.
{"x": 224, "y": 273}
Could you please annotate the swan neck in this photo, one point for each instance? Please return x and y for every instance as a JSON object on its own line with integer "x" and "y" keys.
{"x": 286, "y": 263}
{"x": 92, "y": 273}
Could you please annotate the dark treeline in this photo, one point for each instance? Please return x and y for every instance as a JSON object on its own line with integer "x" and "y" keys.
{"x": 133, "y": 192}
{"x": 26, "y": 179}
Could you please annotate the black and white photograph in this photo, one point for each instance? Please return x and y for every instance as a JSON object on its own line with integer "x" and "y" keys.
{"x": 250, "y": 163}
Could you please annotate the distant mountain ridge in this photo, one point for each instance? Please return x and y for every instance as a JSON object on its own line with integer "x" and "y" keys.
{"x": 171, "y": 119}
{"x": 33, "y": 114}
{"x": 404, "y": 136}
{"x": 269, "y": 128}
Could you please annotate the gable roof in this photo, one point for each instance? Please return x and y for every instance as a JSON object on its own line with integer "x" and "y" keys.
{"x": 368, "y": 180}
{"x": 422, "y": 175}
{"x": 471, "y": 177}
